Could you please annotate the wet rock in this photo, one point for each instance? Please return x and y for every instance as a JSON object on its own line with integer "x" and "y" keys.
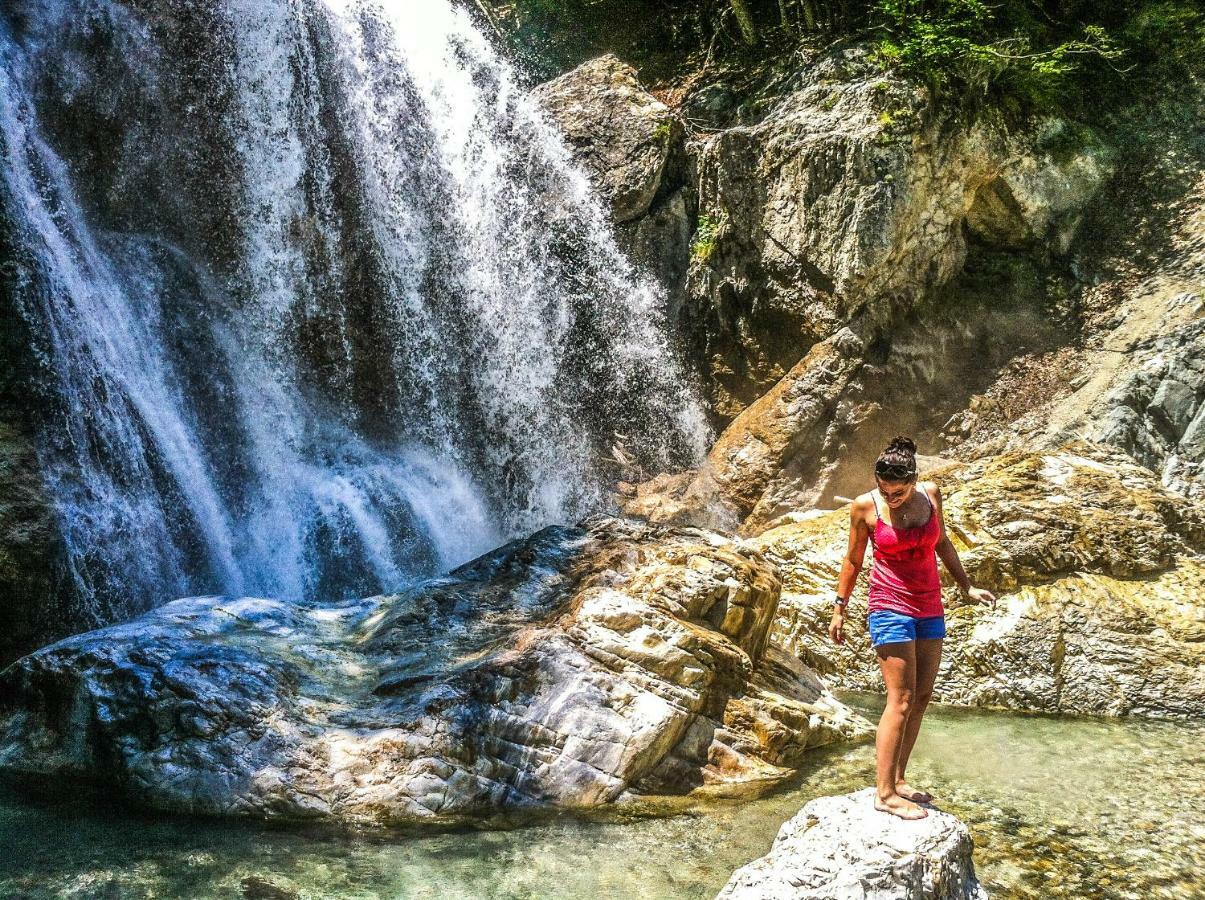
{"x": 575, "y": 668}
{"x": 633, "y": 149}
{"x": 842, "y": 847}
{"x": 1102, "y": 592}
{"x": 32, "y": 610}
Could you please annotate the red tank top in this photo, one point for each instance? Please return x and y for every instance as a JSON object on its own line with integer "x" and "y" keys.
{"x": 903, "y": 576}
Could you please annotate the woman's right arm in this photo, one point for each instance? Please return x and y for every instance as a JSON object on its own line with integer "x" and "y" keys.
{"x": 851, "y": 566}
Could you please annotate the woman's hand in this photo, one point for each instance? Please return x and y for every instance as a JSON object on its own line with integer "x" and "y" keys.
{"x": 982, "y": 597}
{"x": 836, "y": 628}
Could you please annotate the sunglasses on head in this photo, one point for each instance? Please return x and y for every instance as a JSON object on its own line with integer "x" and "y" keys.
{"x": 893, "y": 471}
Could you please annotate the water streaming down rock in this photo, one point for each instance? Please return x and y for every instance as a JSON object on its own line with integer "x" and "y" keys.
{"x": 320, "y": 302}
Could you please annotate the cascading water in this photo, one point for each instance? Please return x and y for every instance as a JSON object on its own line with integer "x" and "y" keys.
{"x": 321, "y": 303}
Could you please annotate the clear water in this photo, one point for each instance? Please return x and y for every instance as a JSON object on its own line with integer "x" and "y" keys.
{"x": 1059, "y": 807}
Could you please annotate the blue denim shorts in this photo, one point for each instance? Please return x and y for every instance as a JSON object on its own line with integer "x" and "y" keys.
{"x": 888, "y": 627}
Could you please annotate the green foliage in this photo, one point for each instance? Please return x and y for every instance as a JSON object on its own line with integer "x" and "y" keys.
{"x": 663, "y": 130}
{"x": 706, "y": 235}
{"x": 976, "y": 47}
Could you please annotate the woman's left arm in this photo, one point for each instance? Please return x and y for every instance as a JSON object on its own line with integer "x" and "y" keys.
{"x": 947, "y": 553}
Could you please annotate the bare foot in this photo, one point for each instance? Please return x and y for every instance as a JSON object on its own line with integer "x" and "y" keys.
{"x": 908, "y": 792}
{"x": 899, "y": 806}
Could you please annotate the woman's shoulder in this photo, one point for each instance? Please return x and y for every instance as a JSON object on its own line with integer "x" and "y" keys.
{"x": 863, "y": 501}
{"x": 861, "y": 505}
{"x": 932, "y": 492}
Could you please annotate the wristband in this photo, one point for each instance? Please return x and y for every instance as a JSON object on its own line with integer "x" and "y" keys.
{"x": 840, "y": 602}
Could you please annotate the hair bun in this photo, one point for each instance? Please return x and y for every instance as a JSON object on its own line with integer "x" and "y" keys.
{"x": 901, "y": 444}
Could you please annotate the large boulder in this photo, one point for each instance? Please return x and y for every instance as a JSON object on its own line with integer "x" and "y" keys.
{"x": 622, "y": 136}
{"x": 575, "y": 668}
{"x": 633, "y": 148}
{"x": 842, "y": 848}
{"x": 850, "y": 196}
{"x": 1102, "y": 593}
{"x": 733, "y": 487}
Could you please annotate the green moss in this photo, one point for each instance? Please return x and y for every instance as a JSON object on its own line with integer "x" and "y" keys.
{"x": 707, "y": 234}
{"x": 663, "y": 130}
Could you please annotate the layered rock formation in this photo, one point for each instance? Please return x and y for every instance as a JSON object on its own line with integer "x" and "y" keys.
{"x": 842, "y": 847}
{"x": 575, "y": 668}
{"x": 1131, "y": 376}
{"x": 1098, "y": 570}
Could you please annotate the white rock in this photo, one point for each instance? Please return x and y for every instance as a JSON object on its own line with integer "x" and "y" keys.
{"x": 842, "y": 847}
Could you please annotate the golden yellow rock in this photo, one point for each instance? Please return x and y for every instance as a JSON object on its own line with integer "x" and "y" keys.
{"x": 1102, "y": 590}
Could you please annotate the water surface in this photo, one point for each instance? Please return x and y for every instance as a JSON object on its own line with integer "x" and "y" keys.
{"x": 1059, "y": 807}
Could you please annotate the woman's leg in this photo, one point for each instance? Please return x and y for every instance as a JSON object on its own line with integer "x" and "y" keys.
{"x": 928, "y": 659}
{"x": 898, "y": 662}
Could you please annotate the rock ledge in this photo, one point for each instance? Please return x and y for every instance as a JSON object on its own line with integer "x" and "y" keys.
{"x": 842, "y": 847}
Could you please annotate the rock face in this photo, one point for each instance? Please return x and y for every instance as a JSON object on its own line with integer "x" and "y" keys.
{"x": 842, "y": 848}
{"x": 786, "y": 424}
{"x": 1102, "y": 591}
{"x": 814, "y": 233}
{"x": 575, "y": 668}
{"x": 619, "y": 133}
{"x": 852, "y": 197}
{"x": 1157, "y": 414}
{"x": 1138, "y": 381}
{"x": 32, "y": 609}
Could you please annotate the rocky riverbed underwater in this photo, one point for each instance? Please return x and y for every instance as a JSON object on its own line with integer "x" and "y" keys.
{"x": 419, "y": 478}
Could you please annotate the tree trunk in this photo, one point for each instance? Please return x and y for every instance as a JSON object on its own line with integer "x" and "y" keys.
{"x": 745, "y": 19}
{"x": 809, "y": 15}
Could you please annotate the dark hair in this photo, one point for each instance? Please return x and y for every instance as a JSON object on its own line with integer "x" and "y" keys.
{"x": 897, "y": 462}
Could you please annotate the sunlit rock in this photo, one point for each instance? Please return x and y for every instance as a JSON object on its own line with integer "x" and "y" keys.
{"x": 854, "y": 195}
{"x": 575, "y": 668}
{"x": 779, "y": 433}
{"x": 842, "y": 848}
{"x": 621, "y": 135}
{"x": 1102, "y": 593}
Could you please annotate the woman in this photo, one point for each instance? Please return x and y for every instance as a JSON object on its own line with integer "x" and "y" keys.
{"x": 903, "y": 521}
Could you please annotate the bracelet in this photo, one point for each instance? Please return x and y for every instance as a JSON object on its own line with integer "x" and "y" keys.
{"x": 840, "y": 601}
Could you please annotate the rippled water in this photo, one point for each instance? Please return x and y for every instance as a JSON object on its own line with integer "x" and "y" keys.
{"x": 1059, "y": 807}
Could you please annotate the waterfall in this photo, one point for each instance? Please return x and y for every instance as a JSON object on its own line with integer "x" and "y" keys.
{"x": 320, "y": 302}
